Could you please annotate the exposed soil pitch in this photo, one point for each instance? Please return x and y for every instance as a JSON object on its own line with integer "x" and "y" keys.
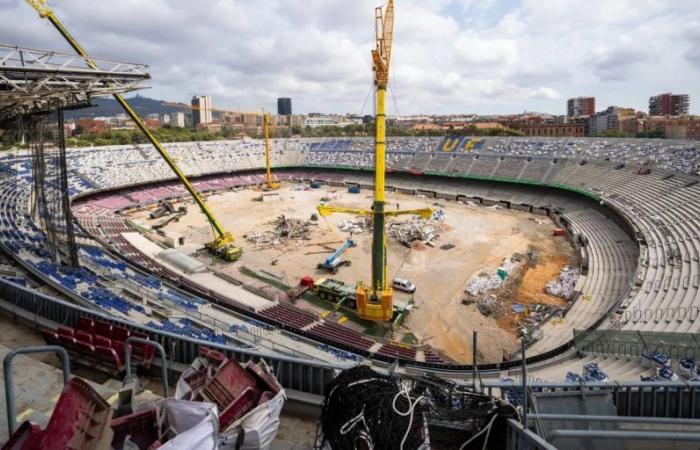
{"x": 482, "y": 238}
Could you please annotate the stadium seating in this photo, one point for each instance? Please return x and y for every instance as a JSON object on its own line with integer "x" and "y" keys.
{"x": 652, "y": 275}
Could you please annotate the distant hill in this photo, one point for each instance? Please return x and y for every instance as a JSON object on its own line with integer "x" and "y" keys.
{"x": 109, "y": 107}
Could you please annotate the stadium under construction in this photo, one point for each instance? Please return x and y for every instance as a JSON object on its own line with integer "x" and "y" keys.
{"x": 543, "y": 288}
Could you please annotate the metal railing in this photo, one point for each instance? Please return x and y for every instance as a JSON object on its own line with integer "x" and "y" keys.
{"x": 164, "y": 367}
{"x": 520, "y": 438}
{"x": 44, "y": 312}
{"x": 10, "y": 378}
{"x": 648, "y": 399}
{"x": 633, "y": 343}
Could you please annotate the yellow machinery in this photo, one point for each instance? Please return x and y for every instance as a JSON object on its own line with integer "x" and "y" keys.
{"x": 270, "y": 183}
{"x": 375, "y": 302}
{"x": 222, "y": 246}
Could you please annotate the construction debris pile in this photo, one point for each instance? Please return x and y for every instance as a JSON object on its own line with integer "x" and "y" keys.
{"x": 356, "y": 225}
{"x": 285, "y": 229}
{"x": 484, "y": 282}
{"x": 418, "y": 230}
{"x": 564, "y": 285}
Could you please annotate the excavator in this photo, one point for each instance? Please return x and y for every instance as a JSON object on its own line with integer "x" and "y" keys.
{"x": 375, "y": 301}
{"x": 223, "y": 244}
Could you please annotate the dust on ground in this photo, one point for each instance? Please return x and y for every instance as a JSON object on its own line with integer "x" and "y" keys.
{"x": 482, "y": 238}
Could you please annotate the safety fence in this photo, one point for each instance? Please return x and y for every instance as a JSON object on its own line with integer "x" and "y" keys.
{"x": 634, "y": 343}
{"x": 301, "y": 375}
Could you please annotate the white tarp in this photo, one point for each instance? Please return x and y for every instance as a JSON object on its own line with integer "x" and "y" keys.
{"x": 183, "y": 262}
{"x": 259, "y": 425}
{"x": 195, "y": 424}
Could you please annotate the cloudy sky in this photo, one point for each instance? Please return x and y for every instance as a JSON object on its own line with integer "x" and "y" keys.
{"x": 450, "y": 56}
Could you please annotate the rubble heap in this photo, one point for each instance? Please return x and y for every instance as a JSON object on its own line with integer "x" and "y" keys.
{"x": 564, "y": 285}
{"x": 483, "y": 282}
{"x": 418, "y": 230}
{"x": 284, "y": 229}
{"x": 357, "y": 225}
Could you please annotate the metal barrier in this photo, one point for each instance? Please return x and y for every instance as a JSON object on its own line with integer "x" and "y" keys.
{"x": 163, "y": 365}
{"x": 10, "y": 378}
{"x": 520, "y": 438}
{"x": 648, "y": 399}
{"x": 297, "y": 374}
{"x": 632, "y": 343}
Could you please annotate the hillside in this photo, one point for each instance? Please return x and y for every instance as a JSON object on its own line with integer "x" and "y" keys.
{"x": 109, "y": 107}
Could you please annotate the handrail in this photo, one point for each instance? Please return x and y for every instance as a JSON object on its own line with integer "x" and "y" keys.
{"x": 164, "y": 367}
{"x": 10, "y": 380}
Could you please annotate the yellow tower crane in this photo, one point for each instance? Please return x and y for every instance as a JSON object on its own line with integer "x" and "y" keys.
{"x": 375, "y": 302}
{"x": 270, "y": 183}
{"x": 222, "y": 245}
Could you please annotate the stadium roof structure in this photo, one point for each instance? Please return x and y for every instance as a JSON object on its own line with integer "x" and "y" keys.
{"x": 34, "y": 80}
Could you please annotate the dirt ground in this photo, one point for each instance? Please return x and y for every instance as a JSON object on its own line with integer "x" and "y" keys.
{"x": 482, "y": 236}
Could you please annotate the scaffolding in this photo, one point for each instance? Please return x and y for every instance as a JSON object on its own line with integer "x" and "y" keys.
{"x": 36, "y": 87}
{"x": 50, "y": 194}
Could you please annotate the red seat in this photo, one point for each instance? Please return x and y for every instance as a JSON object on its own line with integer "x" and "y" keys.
{"x": 50, "y": 337}
{"x": 86, "y": 324}
{"x": 86, "y": 350}
{"x": 103, "y": 328}
{"x": 101, "y": 341}
{"x": 109, "y": 358}
{"x": 82, "y": 336}
{"x": 119, "y": 334}
{"x": 118, "y": 347}
{"x": 65, "y": 331}
{"x": 68, "y": 342}
{"x": 142, "y": 353}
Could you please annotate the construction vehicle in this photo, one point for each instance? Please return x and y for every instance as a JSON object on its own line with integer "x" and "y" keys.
{"x": 222, "y": 246}
{"x": 375, "y": 302}
{"x": 333, "y": 263}
{"x": 164, "y": 208}
{"x": 345, "y": 297}
{"x": 305, "y": 284}
{"x": 337, "y": 292}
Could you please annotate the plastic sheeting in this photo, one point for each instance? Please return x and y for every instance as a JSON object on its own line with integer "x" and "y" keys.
{"x": 564, "y": 285}
{"x": 195, "y": 423}
{"x": 485, "y": 283}
{"x": 259, "y": 426}
{"x": 183, "y": 262}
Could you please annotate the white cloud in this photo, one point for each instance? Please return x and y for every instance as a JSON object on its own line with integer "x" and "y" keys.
{"x": 450, "y": 55}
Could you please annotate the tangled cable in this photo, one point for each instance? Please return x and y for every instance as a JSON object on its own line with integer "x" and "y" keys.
{"x": 366, "y": 410}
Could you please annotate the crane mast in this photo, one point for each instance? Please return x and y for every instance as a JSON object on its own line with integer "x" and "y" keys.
{"x": 222, "y": 245}
{"x": 270, "y": 183}
{"x": 375, "y": 302}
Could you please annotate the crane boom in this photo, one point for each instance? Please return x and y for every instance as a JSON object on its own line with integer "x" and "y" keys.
{"x": 222, "y": 244}
{"x": 325, "y": 210}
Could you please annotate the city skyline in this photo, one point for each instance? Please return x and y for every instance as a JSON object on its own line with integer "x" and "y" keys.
{"x": 492, "y": 57}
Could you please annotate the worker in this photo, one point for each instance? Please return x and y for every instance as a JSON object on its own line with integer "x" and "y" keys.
{"x": 397, "y": 206}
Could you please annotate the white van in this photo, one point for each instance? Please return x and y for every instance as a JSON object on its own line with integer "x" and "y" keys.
{"x": 402, "y": 284}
